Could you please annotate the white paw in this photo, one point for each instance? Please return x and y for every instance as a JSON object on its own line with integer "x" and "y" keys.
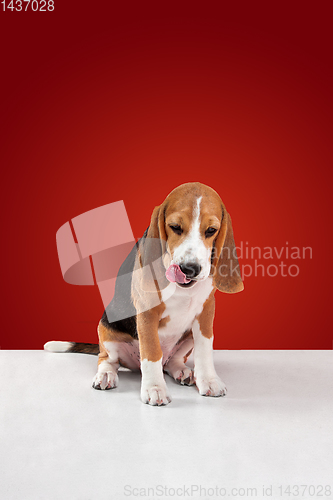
{"x": 211, "y": 387}
{"x": 184, "y": 376}
{"x": 155, "y": 395}
{"x": 105, "y": 380}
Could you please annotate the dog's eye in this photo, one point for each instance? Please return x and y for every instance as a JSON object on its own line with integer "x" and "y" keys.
{"x": 210, "y": 231}
{"x": 176, "y": 229}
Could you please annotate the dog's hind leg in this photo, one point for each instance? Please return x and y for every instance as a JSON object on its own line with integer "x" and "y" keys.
{"x": 176, "y": 367}
{"x": 108, "y": 364}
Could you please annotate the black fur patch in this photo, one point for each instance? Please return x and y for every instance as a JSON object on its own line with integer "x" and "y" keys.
{"x": 121, "y": 304}
{"x": 84, "y": 348}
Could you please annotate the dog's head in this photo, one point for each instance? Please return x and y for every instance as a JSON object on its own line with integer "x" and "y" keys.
{"x": 191, "y": 233}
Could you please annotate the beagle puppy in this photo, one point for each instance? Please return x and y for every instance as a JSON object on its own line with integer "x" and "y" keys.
{"x": 163, "y": 306}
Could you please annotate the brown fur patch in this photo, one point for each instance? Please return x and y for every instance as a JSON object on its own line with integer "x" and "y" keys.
{"x": 225, "y": 263}
{"x": 103, "y": 355}
{"x": 163, "y": 321}
{"x": 147, "y": 325}
{"x": 206, "y": 317}
{"x": 107, "y": 335}
{"x": 187, "y": 355}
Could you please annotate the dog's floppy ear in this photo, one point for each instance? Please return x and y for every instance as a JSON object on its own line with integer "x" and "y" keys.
{"x": 152, "y": 249}
{"x": 157, "y": 224}
{"x": 225, "y": 265}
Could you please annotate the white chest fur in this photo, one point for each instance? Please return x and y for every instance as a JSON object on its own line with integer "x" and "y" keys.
{"x": 182, "y": 307}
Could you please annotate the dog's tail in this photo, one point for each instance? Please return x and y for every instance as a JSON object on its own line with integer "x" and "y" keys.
{"x": 59, "y": 346}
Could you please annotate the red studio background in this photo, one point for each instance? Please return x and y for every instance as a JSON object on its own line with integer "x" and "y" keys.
{"x": 106, "y": 101}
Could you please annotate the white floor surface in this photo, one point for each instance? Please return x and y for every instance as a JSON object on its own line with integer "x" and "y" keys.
{"x": 61, "y": 439}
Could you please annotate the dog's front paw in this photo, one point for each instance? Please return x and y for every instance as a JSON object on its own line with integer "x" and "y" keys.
{"x": 211, "y": 387}
{"x": 155, "y": 395}
{"x": 105, "y": 380}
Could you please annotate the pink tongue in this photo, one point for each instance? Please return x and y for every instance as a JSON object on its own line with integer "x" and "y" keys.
{"x": 175, "y": 274}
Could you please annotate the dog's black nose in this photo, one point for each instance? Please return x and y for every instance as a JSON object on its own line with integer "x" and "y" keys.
{"x": 191, "y": 269}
